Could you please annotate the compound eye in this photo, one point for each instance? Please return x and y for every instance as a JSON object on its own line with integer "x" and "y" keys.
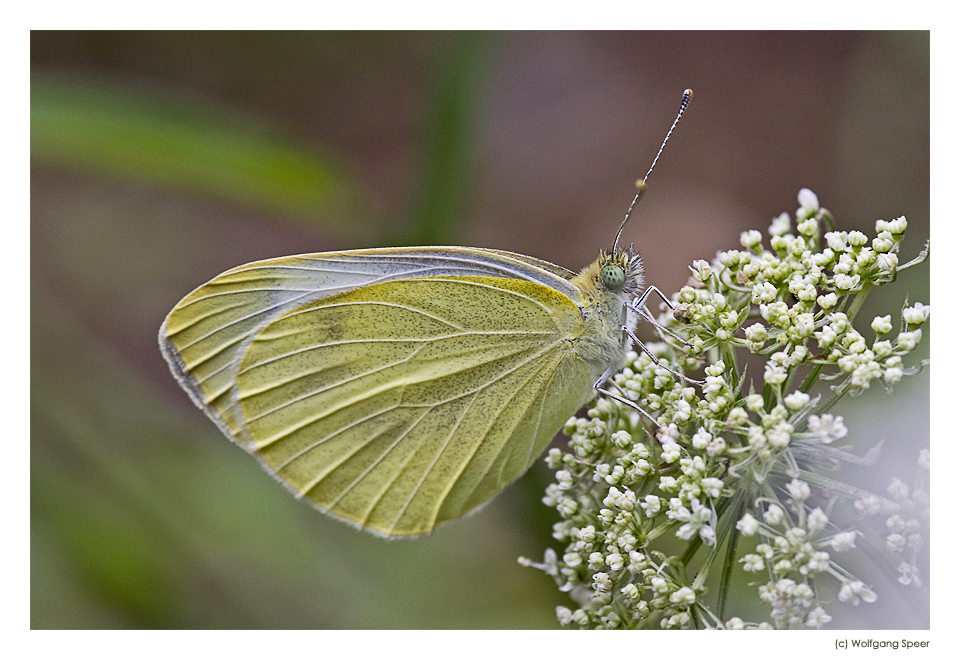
{"x": 613, "y": 277}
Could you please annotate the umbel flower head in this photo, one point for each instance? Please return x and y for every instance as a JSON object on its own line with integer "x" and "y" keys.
{"x": 731, "y": 482}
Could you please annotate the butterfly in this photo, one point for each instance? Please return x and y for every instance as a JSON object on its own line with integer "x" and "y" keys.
{"x": 401, "y": 388}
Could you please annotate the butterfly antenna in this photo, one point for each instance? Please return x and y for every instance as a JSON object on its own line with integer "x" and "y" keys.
{"x": 642, "y": 183}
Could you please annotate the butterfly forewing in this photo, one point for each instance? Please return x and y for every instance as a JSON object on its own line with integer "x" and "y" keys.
{"x": 396, "y": 388}
{"x": 390, "y": 407}
{"x": 205, "y": 336}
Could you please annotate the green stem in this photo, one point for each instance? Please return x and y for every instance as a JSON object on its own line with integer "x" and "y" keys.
{"x": 728, "y": 518}
{"x": 838, "y": 393}
{"x": 729, "y": 357}
{"x": 811, "y": 378}
{"x": 858, "y": 301}
{"x": 916, "y": 261}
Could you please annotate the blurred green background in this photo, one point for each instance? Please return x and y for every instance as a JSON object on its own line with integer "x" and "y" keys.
{"x": 160, "y": 159}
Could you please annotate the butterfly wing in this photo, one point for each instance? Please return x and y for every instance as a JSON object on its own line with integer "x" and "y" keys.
{"x": 206, "y": 334}
{"x": 397, "y": 389}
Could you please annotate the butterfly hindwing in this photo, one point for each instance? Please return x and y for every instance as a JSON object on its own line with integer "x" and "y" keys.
{"x": 394, "y": 409}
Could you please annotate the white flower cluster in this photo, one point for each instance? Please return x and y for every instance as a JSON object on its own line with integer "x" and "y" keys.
{"x": 793, "y": 552}
{"x": 906, "y": 514}
{"x": 721, "y": 463}
{"x": 627, "y": 585}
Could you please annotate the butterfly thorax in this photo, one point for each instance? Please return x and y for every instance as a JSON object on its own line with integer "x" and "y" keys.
{"x": 605, "y": 289}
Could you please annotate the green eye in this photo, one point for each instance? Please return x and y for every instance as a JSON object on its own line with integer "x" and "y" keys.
{"x": 613, "y": 277}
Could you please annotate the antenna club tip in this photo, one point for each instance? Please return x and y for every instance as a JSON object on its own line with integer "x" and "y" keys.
{"x": 688, "y": 93}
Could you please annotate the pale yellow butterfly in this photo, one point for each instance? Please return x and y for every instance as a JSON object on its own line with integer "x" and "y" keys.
{"x": 401, "y": 388}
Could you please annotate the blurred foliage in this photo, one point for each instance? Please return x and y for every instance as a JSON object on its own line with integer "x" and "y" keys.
{"x": 94, "y": 126}
{"x": 444, "y": 187}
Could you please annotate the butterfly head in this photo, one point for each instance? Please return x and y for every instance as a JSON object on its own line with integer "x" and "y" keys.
{"x": 621, "y": 272}
{"x": 617, "y": 275}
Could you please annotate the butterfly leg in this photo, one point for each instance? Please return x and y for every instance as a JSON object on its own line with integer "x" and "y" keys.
{"x": 598, "y": 386}
{"x": 653, "y": 357}
{"x": 640, "y": 307}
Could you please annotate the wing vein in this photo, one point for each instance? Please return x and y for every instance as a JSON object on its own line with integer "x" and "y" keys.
{"x": 520, "y": 388}
{"x": 446, "y": 443}
{"x": 391, "y": 385}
